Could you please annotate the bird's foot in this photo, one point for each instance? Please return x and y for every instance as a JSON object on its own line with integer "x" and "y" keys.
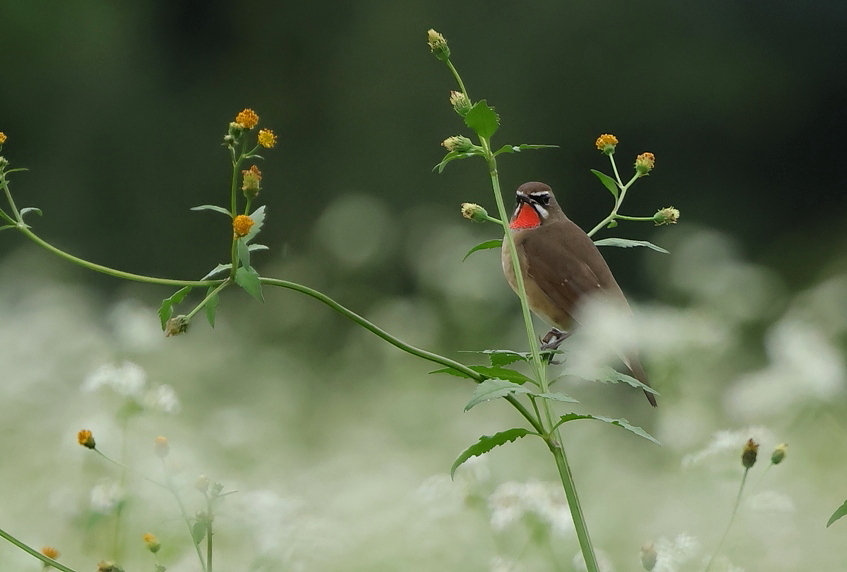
{"x": 551, "y": 342}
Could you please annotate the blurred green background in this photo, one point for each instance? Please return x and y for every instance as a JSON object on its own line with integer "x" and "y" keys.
{"x": 118, "y": 110}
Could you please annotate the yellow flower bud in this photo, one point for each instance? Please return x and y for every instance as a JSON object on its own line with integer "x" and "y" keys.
{"x": 458, "y": 143}
{"x": 748, "y": 454}
{"x": 241, "y": 225}
{"x": 50, "y": 552}
{"x": 151, "y": 542}
{"x": 667, "y": 215}
{"x": 438, "y": 45}
{"x": 2, "y": 137}
{"x": 161, "y": 447}
{"x": 644, "y": 163}
{"x": 779, "y": 453}
{"x": 247, "y": 119}
{"x": 606, "y": 143}
{"x": 176, "y": 326}
{"x": 267, "y": 138}
{"x": 474, "y": 212}
{"x": 86, "y": 439}
{"x": 252, "y": 182}
{"x": 460, "y": 102}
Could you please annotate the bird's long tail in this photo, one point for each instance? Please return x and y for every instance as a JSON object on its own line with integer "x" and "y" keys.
{"x": 634, "y": 365}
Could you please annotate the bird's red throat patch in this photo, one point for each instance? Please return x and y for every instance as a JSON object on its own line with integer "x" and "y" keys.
{"x": 526, "y": 218}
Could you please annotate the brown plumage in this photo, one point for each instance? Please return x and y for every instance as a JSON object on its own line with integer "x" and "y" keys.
{"x": 560, "y": 265}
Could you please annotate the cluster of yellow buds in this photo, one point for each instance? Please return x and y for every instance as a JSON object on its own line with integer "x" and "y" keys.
{"x": 606, "y": 143}
{"x": 151, "y": 542}
{"x": 667, "y": 215}
{"x": 460, "y": 102}
{"x": 86, "y": 439}
{"x": 245, "y": 120}
{"x": 644, "y": 163}
{"x": 50, "y": 552}
{"x": 438, "y": 45}
{"x": 2, "y": 137}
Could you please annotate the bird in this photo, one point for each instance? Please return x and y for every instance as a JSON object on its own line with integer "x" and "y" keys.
{"x": 561, "y": 268}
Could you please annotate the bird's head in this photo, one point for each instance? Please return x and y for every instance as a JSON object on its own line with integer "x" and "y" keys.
{"x": 536, "y": 206}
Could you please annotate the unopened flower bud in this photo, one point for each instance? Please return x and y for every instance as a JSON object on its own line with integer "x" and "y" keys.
{"x": 216, "y": 490}
{"x": 748, "y": 454}
{"x": 176, "y": 326}
{"x": 151, "y": 542}
{"x": 202, "y": 484}
{"x": 644, "y": 163}
{"x": 86, "y": 439}
{"x": 460, "y": 102}
{"x": 161, "y": 447}
{"x": 458, "y": 143}
{"x": 50, "y": 552}
{"x": 105, "y": 566}
{"x": 648, "y": 557}
{"x": 474, "y": 212}
{"x": 3, "y": 162}
{"x": 438, "y": 45}
{"x": 667, "y": 215}
{"x": 2, "y": 137}
{"x": 779, "y": 453}
{"x": 252, "y": 182}
{"x": 606, "y": 143}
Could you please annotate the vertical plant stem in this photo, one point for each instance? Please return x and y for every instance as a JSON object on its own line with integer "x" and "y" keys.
{"x": 119, "y": 513}
{"x": 539, "y": 366}
{"x": 209, "y": 533}
{"x": 184, "y": 513}
{"x": 731, "y": 519}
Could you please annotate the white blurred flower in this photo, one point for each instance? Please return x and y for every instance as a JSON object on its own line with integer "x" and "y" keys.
{"x": 603, "y": 562}
{"x": 672, "y": 554}
{"x": 162, "y": 398}
{"x": 500, "y": 564}
{"x": 106, "y": 496}
{"x": 135, "y": 326}
{"x": 725, "y": 442}
{"x": 803, "y": 365}
{"x": 511, "y": 500}
{"x": 127, "y": 379}
{"x": 440, "y": 496}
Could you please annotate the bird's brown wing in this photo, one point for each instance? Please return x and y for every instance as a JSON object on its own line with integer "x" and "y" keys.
{"x": 573, "y": 268}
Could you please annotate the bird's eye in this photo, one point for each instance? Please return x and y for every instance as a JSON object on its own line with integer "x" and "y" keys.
{"x": 544, "y": 199}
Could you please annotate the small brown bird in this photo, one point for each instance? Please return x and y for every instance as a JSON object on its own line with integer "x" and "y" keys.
{"x": 560, "y": 265}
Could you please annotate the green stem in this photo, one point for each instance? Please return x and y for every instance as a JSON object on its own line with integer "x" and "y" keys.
{"x": 456, "y": 75}
{"x": 119, "y": 513}
{"x": 111, "y": 271}
{"x": 731, "y": 518}
{"x": 208, "y": 297}
{"x": 33, "y": 552}
{"x": 209, "y": 533}
{"x": 184, "y": 513}
{"x": 618, "y": 202}
{"x": 124, "y": 467}
{"x": 636, "y": 218}
{"x": 5, "y": 184}
{"x": 398, "y": 343}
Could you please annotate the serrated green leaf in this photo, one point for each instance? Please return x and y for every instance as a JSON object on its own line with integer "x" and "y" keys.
{"x": 493, "y": 389}
{"x": 482, "y": 119}
{"x": 608, "y": 182}
{"x": 502, "y": 373}
{"x": 248, "y": 279}
{"x": 495, "y": 243}
{"x": 629, "y": 243}
{"x": 255, "y": 247}
{"x": 166, "y": 309}
{"x": 611, "y": 375}
{"x": 26, "y": 210}
{"x": 486, "y": 443}
{"x": 258, "y": 217}
{"x": 211, "y": 306}
{"x": 839, "y": 512}
{"x": 452, "y": 156}
{"x": 243, "y": 252}
{"x": 557, "y": 396}
{"x": 451, "y": 371}
{"x": 215, "y": 208}
{"x": 622, "y": 423}
{"x": 217, "y": 270}
{"x": 198, "y": 531}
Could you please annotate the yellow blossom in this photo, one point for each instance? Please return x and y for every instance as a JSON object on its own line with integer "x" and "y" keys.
{"x": 161, "y": 447}
{"x": 50, "y": 552}
{"x": 748, "y": 454}
{"x": 267, "y": 138}
{"x": 247, "y": 119}
{"x": 86, "y": 439}
{"x": 241, "y": 225}
{"x": 606, "y": 143}
{"x": 151, "y": 542}
{"x": 2, "y": 137}
{"x": 644, "y": 163}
